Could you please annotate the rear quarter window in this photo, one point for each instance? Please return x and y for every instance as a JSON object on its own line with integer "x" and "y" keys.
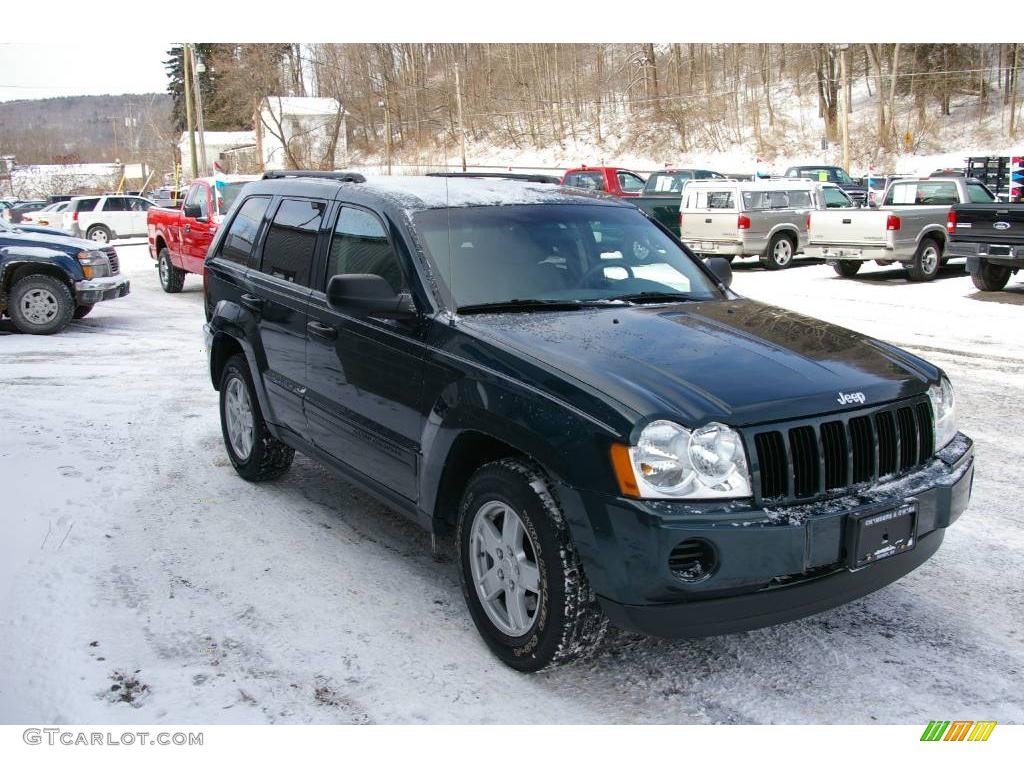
{"x": 978, "y": 193}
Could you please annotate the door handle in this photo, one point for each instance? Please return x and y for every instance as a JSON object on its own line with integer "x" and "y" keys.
{"x": 325, "y": 332}
{"x": 251, "y": 302}
{"x": 188, "y": 228}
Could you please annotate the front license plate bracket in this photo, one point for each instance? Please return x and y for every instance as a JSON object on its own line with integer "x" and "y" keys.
{"x": 876, "y": 533}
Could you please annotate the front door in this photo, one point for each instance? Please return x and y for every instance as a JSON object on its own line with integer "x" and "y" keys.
{"x": 197, "y": 233}
{"x": 277, "y": 295}
{"x": 365, "y": 373}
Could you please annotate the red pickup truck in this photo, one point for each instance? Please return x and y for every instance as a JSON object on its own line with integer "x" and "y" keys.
{"x": 612, "y": 181}
{"x": 179, "y": 237}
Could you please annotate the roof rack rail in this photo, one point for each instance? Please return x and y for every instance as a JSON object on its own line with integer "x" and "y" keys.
{"x": 354, "y": 178}
{"x": 540, "y": 178}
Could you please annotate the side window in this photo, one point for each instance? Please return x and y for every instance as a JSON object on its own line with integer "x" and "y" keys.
{"x": 756, "y": 201}
{"x": 978, "y": 193}
{"x": 778, "y": 199}
{"x": 359, "y": 246}
{"x": 630, "y": 183}
{"x": 291, "y": 240}
{"x": 834, "y": 198}
{"x": 799, "y": 198}
{"x": 244, "y": 228}
{"x": 138, "y": 204}
{"x": 192, "y": 198}
{"x": 593, "y": 181}
{"x": 115, "y": 204}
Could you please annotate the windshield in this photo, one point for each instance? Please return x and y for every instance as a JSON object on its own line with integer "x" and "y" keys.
{"x": 556, "y": 253}
{"x": 666, "y": 183}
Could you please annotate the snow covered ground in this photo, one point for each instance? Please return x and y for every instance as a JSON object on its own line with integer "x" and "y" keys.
{"x": 130, "y": 550}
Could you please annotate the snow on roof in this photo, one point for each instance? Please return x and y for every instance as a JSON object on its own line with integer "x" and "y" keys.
{"x": 418, "y": 192}
{"x": 303, "y": 105}
{"x": 224, "y": 138}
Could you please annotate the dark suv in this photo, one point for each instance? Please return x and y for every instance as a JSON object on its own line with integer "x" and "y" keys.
{"x": 609, "y": 431}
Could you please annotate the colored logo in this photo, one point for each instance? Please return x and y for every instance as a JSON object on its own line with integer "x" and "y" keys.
{"x": 958, "y": 730}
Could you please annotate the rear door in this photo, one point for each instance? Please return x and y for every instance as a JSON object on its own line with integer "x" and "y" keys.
{"x": 708, "y": 216}
{"x": 365, "y": 373}
{"x": 278, "y": 296}
{"x": 138, "y": 207}
{"x": 117, "y": 215}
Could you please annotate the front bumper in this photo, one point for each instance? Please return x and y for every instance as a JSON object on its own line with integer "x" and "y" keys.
{"x": 101, "y": 289}
{"x": 773, "y": 564}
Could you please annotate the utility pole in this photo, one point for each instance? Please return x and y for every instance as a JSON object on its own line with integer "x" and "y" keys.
{"x": 844, "y": 87}
{"x": 197, "y": 68}
{"x": 387, "y": 130}
{"x": 458, "y": 109}
{"x": 1013, "y": 92}
{"x": 187, "y": 77}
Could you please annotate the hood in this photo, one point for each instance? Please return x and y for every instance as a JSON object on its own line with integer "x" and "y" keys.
{"x": 39, "y": 237}
{"x": 740, "y": 362}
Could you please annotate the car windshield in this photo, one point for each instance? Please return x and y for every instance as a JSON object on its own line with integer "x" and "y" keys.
{"x": 557, "y": 254}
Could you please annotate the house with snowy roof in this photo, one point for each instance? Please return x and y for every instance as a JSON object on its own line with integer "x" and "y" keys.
{"x": 301, "y": 132}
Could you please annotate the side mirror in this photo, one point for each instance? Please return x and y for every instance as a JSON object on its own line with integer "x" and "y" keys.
{"x": 192, "y": 211}
{"x": 722, "y": 269}
{"x": 371, "y": 294}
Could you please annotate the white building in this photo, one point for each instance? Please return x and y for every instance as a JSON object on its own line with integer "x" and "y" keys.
{"x": 299, "y": 131}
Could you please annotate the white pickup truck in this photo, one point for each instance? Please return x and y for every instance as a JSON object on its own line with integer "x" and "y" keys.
{"x": 909, "y": 227}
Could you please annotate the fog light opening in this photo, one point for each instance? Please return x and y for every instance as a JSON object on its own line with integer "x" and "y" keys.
{"x": 693, "y": 560}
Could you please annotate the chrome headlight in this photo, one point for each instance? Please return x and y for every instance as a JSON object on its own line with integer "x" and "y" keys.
{"x": 943, "y": 411}
{"x": 672, "y": 462}
{"x": 94, "y": 264}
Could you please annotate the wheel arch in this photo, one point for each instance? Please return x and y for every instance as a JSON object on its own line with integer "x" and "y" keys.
{"x": 228, "y": 340}
{"x": 12, "y": 271}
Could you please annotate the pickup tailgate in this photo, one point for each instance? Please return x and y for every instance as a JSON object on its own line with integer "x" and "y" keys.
{"x": 848, "y": 227}
{"x": 989, "y": 223}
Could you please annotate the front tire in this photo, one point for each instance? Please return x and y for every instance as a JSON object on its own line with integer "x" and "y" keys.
{"x": 40, "y": 305}
{"x": 927, "y": 261}
{"x": 99, "y": 233}
{"x": 781, "y": 249}
{"x": 171, "y": 278}
{"x": 255, "y": 454}
{"x": 991, "y": 277}
{"x": 521, "y": 575}
{"x": 847, "y": 268}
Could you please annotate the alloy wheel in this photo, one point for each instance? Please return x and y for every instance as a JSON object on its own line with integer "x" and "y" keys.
{"x": 503, "y": 562}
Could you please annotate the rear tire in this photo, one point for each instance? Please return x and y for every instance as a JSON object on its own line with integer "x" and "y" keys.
{"x": 171, "y": 278}
{"x": 99, "y": 233}
{"x": 255, "y": 454}
{"x": 82, "y": 310}
{"x": 780, "y": 252}
{"x": 991, "y": 277}
{"x": 40, "y": 305}
{"x": 927, "y": 261}
{"x": 552, "y": 617}
{"x": 847, "y": 268}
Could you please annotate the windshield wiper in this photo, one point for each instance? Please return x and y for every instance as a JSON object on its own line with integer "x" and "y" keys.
{"x": 528, "y": 305}
{"x": 653, "y": 297}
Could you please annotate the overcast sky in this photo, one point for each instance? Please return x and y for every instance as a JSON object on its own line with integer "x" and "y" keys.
{"x": 39, "y": 71}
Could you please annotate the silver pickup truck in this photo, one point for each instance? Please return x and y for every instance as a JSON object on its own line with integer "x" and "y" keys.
{"x": 909, "y": 227}
{"x": 767, "y": 219}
